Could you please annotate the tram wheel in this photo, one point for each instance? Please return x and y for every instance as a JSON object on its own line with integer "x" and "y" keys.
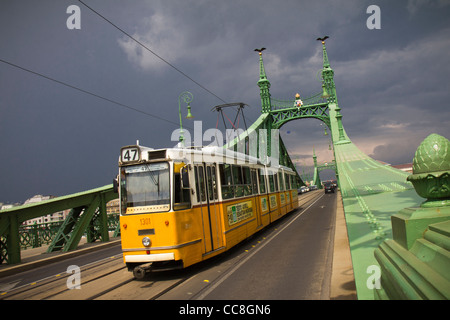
{"x": 139, "y": 273}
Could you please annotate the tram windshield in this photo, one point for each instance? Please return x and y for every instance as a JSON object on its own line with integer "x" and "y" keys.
{"x": 146, "y": 185}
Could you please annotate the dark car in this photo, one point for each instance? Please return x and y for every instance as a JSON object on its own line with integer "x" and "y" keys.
{"x": 328, "y": 186}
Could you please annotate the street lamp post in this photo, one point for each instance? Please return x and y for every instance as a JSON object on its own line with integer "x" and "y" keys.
{"x": 185, "y": 97}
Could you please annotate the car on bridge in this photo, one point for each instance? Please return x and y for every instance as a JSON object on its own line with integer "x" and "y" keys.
{"x": 328, "y": 187}
{"x": 302, "y": 189}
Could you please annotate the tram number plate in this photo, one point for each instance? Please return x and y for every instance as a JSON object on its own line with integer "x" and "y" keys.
{"x": 130, "y": 154}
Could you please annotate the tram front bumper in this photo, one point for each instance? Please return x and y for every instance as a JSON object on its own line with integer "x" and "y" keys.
{"x": 142, "y": 258}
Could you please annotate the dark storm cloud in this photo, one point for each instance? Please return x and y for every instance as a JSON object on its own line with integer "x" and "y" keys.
{"x": 392, "y": 83}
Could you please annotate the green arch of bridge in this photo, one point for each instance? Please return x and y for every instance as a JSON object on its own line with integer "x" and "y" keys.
{"x": 371, "y": 191}
{"x": 276, "y": 113}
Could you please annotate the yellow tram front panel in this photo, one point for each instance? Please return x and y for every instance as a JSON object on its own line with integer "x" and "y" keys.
{"x": 173, "y": 236}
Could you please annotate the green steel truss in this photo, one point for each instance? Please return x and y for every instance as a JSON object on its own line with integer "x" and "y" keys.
{"x": 371, "y": 191}
{"x": 279, "y": 112}
{"x": 88, "y": 216}
{"x": 317, "y": 111}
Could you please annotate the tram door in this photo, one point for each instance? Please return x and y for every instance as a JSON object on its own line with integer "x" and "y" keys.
{"x": 212, "y": 226}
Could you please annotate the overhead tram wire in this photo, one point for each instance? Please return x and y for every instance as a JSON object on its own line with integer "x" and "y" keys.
{"x": 89, "y": 93}
{"x": 152, "y": 52}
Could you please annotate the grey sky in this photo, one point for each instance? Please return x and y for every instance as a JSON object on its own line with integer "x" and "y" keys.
{"x": 392, "y": 83}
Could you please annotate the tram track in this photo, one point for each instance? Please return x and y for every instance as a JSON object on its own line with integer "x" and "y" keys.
{"x": 108, "y": 279}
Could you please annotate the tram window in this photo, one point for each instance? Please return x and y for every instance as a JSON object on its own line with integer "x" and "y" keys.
{"x": 237, "y": 175}
{"x": 211, "y": 178}
{"x": 247, "y": 181}
{"x": 238, "y": 181}
{"x": 214, "y": 181}
{"x": 271, "y": 182}
{"x": 262, "y": 181}
{"x": 182, "y": 199}
{"x": 184, "y": 177}
{"x": 226, "y": 179}
{"x": 201, "y": 185}
{"x": 280, "y": 180}
{"x": 209, "y": 183}
{"x": 287, "y": 180}
{"x": 197, "y": 191}
{"x": 145, "y": 185}
{"x": 254, "y": 182}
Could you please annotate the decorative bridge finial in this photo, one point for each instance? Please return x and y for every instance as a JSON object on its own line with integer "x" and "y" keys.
{"x": 431, "y": 171}
{"x": 326, "y": 63}
{"x": 260, "y": 50}
{"x": 323, "y": 39}
{"x": 263, "y": 84}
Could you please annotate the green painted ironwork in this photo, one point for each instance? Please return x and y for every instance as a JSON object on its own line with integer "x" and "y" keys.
{"x": 415, "y": 264}
{"x": 318, "y": 168}
{"x": 187, "y": 98}
{"x": 88, "y": 216}
{"x": 371, "y": 191}
{"x": 316, "y": 106}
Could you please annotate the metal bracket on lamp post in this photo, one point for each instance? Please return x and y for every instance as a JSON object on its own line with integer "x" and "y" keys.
{"x": 185, "y": 97}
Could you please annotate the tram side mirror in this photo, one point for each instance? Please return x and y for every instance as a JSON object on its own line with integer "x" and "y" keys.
{"x": 184, "y": 177}
{"x": 115, "y": 185}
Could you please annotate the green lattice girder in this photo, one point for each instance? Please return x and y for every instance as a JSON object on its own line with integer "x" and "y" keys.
{"x": 317, "y": 111}
{"x": 90, "y": 201}
{"x": 263, "y": 122}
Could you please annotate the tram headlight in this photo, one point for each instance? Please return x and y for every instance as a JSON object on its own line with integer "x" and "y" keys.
{"x": 146, "y": 242}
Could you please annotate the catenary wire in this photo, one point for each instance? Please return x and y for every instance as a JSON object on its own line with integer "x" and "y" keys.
{"x": 154, "y": 53}
{"x": 151, "y": 51}
{"x": 89, "y": 93}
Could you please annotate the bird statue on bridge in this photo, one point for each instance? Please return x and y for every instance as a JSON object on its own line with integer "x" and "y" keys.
{"x": 323, "y": 39}
{"x": 260, "y": 50}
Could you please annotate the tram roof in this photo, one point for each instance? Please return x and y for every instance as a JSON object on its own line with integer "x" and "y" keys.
{"x": 209, "y": 154}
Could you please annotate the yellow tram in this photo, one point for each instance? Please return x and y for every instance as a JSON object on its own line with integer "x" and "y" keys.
{"x": 182, "y": 206}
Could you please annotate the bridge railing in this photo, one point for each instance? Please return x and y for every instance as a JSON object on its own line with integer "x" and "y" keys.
{"x": 87, "y": 216}
{"x": 290, "y": 103}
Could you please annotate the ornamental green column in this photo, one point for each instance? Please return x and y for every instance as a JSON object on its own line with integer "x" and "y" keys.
{"x": 264, "y": 86}
{"x": 329, "y": 92}
{"x": 415, "y": 264}
{"x": 316, "y": 178}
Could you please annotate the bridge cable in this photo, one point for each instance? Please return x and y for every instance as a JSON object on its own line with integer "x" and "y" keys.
{"x": 89, "y": 93}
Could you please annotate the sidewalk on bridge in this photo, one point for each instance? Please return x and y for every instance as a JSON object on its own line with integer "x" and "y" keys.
{"x": 37, "y": 257}
{"x": 342, "y": 279}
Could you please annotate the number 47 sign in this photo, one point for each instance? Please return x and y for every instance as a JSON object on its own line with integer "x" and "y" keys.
{"x": 130, "y": 154}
